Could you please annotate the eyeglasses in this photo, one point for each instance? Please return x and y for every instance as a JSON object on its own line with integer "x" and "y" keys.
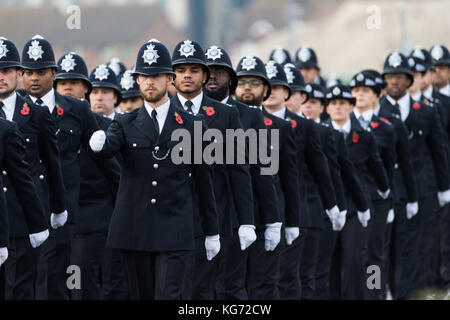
{"x": 252, "y": 83}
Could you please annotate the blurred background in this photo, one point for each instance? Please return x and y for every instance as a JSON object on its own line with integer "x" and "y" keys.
{"x": 347, "y": 35}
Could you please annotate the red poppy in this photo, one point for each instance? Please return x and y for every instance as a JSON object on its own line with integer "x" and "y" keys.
{"x": 355, "y": 137}
{"x": 294, "y": 123}
{"x": 210, "y": 111}
{"x": 178, "y": 118}
{"x": 268, "y": 121}
{"x": 59, "y": 111}
{"x": 384, "y": 120}
{"x": 416, "y": 106}
{"x": 374, "y": 125}
{"x": 426, "y": 101}
{"x": 25, "y": 109}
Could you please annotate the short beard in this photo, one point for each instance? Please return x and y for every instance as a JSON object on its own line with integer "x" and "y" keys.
{"x": 6, "y": 94}
{"x": 256, "y": 101}
{"x": 156, "y": 97}
{"x": 219, "y": 93}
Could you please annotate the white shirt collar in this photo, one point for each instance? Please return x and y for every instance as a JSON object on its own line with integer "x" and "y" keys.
{"x": 224, "y": 101}
{"x": 428, "y": 93}
{"x": 445, "y": 90}
{"x": 345, "y": 128}
{"x": 403, "y": 102}
{"x": 367, "y": 115}
{"x": 376, "y": 111}
{"x": 161, "y": 113}
{"x": 48, "y": 99}
{"x": 317, "y": 120}
{"x": 9, "y": 104}
{"x": 111, "y": 116}
{"x": 197, "y": 101}
{"x": 280, "y": 113}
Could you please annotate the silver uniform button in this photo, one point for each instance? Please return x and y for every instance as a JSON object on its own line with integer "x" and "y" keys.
{"x": 134, "y": 145}
{"x": 420, "y": 132}
{"x": 27, "y": 140}
{"x": 190, "y": 174}
{"x": 41, "y": 177}
{"x": 156, "y": 148}
{"x": 155, "y": 166}
{"x": 154, "y": 183}
{"x": 4, "y": 173}
{"x": 396, "y": 166}
{"x": 5, "y": 189}
{"x": 153, "y": 201}
{"x": 71, "y": 131}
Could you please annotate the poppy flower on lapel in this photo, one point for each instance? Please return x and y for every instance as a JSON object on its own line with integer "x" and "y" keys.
{"x": 416, "y": 106}
{"x": 374, "y": 125}
{"x": 178, "y": 118}
{"x": 293, "y": 122}
{"x": 25, "y": 109}
{"x": 59, "y": 110}
{"x": 384, "y": 119}
{"x": 267, "y": 121}
{"x": 209, "y": 110}
{"x": 355, "y": 137}
{"x": 426, "y": 101}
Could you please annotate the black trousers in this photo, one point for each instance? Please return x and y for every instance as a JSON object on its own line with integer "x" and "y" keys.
{"x": 290, "y": 285}
{"x": 114, "y": 284}
{"x": 263, "y": 272}
{"x": 201, "y": 275}
{"x": 327, "y": 245}
{"x": 20, "y": 269}
{"x": 54, "y": 259}
{"x": 308, "y": 263}
{"x": 441, "y": 264}
{"x": 376, "y": 243}
{"x": 405, "y": 246}
{"x": 348, "y": 275}
{"x": 155, "y": 275}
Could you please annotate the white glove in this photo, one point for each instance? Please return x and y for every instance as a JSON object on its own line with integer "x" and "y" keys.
{"x": 247, "y": 235}
{"x": 444, "y": 197}
{"x": 58, "y": 220}
{"x": 3, "y": 255}
{"x": 364, "y": 217}
{"x": 384, "y": 194}
{"x": 411, "y": 209}
{"x": 272, "y": 236}
{"x": 390, "y": 216}
{"x": 332, "y": 213}
{"x": 212, "y": 245}
{"x": 97, "y": 140}
{"x": 36, "y": 239}
{"x": 339, "y": 223}
{"x": 290, "y": 234}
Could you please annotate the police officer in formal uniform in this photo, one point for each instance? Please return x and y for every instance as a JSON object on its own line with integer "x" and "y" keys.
{"x": 38, "y": 130}
{"x": 349, "y": 277}
{"x": 427, "y": 150}
{"x": 280, "y": 55}
{"x": 151, "y": 225}
{"x": 129, "y": 89}
{"x": 306, "y": 62}
{"x": 75, "y": 124}
{"x": 71, "y": 77}
{"x": 366, "y": 91}
{"x": 441, "y": 61}
{"x": 222, "y": 84}
{"x": 232, "y": 182}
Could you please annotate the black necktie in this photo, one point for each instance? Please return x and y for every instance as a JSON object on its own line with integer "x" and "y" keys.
{"x": 397, "y": 110}
{"x": 155, "y": 121}
{"x": 188, "y": 104}
{"x": 2, "y": 112}
{"x": 39, "y": 101}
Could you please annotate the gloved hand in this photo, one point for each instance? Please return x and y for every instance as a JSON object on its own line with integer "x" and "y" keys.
{"x": 332, "y": 213}
{"x": 58, "y": 220}
{"x": 3, "y": 255}
{"x": 97, "y": 140}
{"x": 247, "y": 235}
{"x": 212, "y": 245}
{"x": 36, "y": 239}
{"x": 339, "y": 223}
{"x": 411, "y": 209}
{"x": 384, "y": 194}
{"x": 290, "y": 234}
{"x": 364, "y": 217}
{"x": 272, "y": 236}
{"x": 444, "y": 197}
{"x": 390, "y": 216}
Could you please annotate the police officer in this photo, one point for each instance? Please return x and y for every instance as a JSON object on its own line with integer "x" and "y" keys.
{"x": 427, "y": 149}
{"x": 117, "y": 66}
{"x": 441, "y": 61}
{"x": 71, "y": 77}
{"x": 38, "y": 130}
{"x": 349, "y": 281}
{"x": 129, "y": 89}
{"x": 365, "y": 90}
{"x": 155, "y": 234}
{"x": 75, "y": 124}
{"x": 306, "y": 62}
{"x": 192, "y": 72}
{"x": 222, "y": 84}
{"x": 280, "y": 55}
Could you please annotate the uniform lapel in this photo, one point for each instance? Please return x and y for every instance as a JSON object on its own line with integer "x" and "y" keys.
{"x": 144, "y": 123}
{"x": 169, "y": 125}
{"x": 209, "y": 114}
{"x": 20, "y": 115}
{"x": 63, "y": 104}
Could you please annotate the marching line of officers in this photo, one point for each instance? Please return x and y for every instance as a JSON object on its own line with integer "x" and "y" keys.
{"x": 88, "y": 179}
